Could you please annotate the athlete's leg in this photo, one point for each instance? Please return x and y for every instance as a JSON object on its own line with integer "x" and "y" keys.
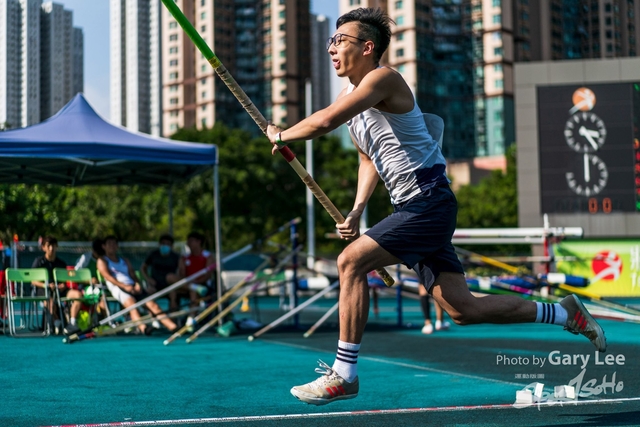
{"x": 450, "y": 290}
{"x": 358, "y": 259}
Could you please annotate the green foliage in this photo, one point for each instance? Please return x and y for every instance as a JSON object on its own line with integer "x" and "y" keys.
{"x": 493, "y": 203}
{"x": 258, "y": 192}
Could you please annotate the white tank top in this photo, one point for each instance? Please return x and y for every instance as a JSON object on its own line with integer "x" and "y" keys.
{"x": 405, "y": 155}
{"x": 120, "y": 271}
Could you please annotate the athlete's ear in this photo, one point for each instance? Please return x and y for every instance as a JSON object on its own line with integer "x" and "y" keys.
{"x": 368, "y": 48}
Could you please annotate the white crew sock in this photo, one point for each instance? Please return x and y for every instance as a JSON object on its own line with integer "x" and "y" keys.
{"x": 346, "y": 363}
{"x": 72, "y": 320}
{"x": 551, "y": 313}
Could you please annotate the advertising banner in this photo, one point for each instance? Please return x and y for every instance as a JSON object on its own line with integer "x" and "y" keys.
{"x": 612, "y": 266}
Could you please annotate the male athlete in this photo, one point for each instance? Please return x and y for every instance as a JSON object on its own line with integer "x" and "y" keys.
{"x": 391, "y": 137}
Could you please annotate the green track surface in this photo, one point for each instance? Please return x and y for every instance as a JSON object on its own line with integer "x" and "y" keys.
{"x": 136, "y": 378}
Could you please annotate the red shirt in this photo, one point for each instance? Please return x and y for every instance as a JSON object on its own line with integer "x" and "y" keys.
{"x": 195, "y": 263}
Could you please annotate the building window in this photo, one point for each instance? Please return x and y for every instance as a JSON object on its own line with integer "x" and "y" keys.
{"x": 400, "y": 20}
{"x": 399, "y": 53}
{"x": 497, "y": 51}
{"x": 497, "y": 18}
{"x": 496, "y": 35}
{"x": 283, "y": 66}
{"x": 204, "y": 107}
{"x": 204, "y": 94}
{"x": 283, "y": 27}
{"x": 399, "y": 4}
{"x": 173, "y": 126}
{"x": 203, "y": 15}
{"x": 283, "y": 93}
{"x": 203, "y": 29}
{"x": 204, "y": 123}
{"x": 173, "y": 113}
{"x": 173, "y": 37}
{"x": 202, "y": 2}
{"x": 203, "y": 68}
{"x": 496, "y": 3}
{"x": 203, "y": 81}
{"x": 173, "y": 50}
{"x": 497, "y": 68}
{"x": 282, "y": 14}
{"x": 499, "y": 84}
{"x": 173, "y": 76}
{"x": 399, "y": 37}
{"x": 173, "y": 88}
{"x": 173, "y": 24}
{"x": 283, "y": 107}
{"x": 401, "y": 68}
{"x": 173, "y": 62}
{"x": 283, "y": 54}
{"x": 173, "y": 101}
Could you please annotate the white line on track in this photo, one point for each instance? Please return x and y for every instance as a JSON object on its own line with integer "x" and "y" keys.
{"x": 407, "y": 365}
{"x": 344, "y": 413}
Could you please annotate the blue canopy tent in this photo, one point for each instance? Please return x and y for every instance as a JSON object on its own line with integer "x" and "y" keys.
{"x": 78, "y": 147}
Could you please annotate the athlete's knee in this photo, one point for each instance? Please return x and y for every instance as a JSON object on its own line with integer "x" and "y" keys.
{"x": 348, "y": 262}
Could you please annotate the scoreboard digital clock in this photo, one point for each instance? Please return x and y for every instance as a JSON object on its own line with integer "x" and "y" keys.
{"x": 589, "y": 148}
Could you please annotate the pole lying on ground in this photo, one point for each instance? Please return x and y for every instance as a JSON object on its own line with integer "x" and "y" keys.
{"x": 158, "y": 294}
{"x": 594, "y": 298}
{"x": 259, "y": 119}
{"x": 144, "y": 320}
{"x": 217, "y": 303}
{"x": 321, "y": 320}
{"x": 197, "y": 274}
{"x": 294, "y": 311}
{"x": 281, "y": 265}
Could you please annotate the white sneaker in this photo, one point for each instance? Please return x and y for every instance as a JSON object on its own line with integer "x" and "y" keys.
{"x": 326, "y": 389}
{"x": 155, "y": 324}
{"x": 442, "y": 326}
{"x": 427, "y": 329}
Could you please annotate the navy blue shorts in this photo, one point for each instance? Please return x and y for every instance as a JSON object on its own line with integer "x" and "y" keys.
{"x": 419, "y": 233}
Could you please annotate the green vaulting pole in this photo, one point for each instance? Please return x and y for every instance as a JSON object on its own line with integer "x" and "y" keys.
{"x": 257, "y": 117}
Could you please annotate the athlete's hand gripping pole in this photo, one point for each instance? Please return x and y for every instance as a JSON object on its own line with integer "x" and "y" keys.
{"x": 257, "y": 117}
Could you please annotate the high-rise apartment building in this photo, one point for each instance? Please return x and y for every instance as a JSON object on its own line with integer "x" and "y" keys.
{"x": 321, "y": 69}
{"x": 41, "y": 61}
{"x": 264, "y": 45}
{"x": 60, "y": 60}
{"x": 458, "y": 55}
{"x": 430, "y": 48}
{"x": 131, "y": 71}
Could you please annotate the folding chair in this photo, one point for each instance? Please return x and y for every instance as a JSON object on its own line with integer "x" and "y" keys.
{"x": 80, "y": 276}
{"x": 20, "y": 291}
{"x": 435, "y": 126}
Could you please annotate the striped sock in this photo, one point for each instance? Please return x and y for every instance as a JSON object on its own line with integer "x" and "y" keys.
{"x": 551, "y": 313}
{"x": 346, "y": 363}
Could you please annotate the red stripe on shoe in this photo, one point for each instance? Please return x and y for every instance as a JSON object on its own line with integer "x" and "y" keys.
{"x": 330, "y": 391}
{"x": 342, "y": 389}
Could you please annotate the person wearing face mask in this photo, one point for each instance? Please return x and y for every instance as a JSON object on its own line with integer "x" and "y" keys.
{"x": 160, "y": 267}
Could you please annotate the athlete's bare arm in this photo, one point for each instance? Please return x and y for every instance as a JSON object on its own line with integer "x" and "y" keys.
{"x": 382, "y": 88}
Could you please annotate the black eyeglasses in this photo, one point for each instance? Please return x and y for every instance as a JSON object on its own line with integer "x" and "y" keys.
{"x": 337, "y": 39}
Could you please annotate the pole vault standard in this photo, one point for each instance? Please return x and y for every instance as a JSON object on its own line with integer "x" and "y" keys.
{"x": 259, "y": 119}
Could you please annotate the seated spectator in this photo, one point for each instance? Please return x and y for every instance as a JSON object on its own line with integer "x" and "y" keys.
{"x": 90, "y": 259}
{"x": 120, "y": 279}
{"x": 164, "y": 266}
{"x": 198, "y": 259}
{"x": 50, "y": 261}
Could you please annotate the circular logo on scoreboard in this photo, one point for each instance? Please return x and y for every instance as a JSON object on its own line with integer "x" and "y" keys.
{"x": 583, "y": 100}
{"x": 606, "y": 265}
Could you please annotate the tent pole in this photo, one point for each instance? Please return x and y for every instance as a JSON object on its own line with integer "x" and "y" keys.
{"x": 216, "y": 212}
{"x": 170, "y": 194}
